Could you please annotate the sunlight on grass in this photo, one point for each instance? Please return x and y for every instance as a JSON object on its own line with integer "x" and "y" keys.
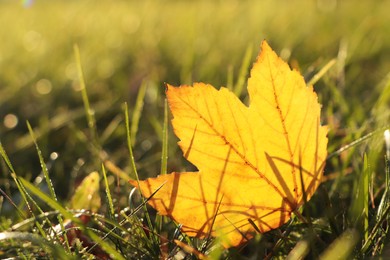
{"x": 126, "y": 52}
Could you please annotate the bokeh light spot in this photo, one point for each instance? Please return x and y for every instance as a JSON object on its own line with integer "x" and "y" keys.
{"x": 43, "y": 86}
{"x": 10, "y": 121}
{"x": 27, "y": 3}
{"x": 146, "y": 145}
{"x": 53, "y": 156}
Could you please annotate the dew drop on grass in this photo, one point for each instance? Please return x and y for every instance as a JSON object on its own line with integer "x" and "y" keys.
{"x": 53, "y": 156}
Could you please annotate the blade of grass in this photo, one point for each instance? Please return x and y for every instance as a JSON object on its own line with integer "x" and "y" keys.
{"x": 48, "y": 180}
{"x": 311, "y": 233}
{"x": 129, "y": 143}
{"x": 241, "y": 79}
{"x": 106, "y": 246}
{"x": 321, "y": 73}
{"x": 21, "y": 188}
{"x": 139, "y": 104}
{"x": 381, "y": 105}
{"x": 230, "y": 78}
{"x": 88, "y": 111}
{"x": 382, "y": 215}
{"x": 357, "y": 142}
{"x": 359, "y": 207}
{"x": 342, "y": 247}
{"x": 29, "y": 198}
{"x": 164, "y": 152}
{"x": 47, "y": 199}
{"x": 56, "y": 250}
{"x": 13, "y": 175}
{"x": 280, "y": 242}
{"x": 109, "y": 130}
{"x": 57, "y": 122}
{"x": 10, "y": 201}
{"x": 67, "y": 214}
{"x": 365, "y": 186}
{"x": 385, "y": 202}
{"x": 108, "y": 193}
{"x": 164, "y": 158}
{"x": 386, "y": 196}
{"x": 5, "y": 158}
{"x": 133, "y": 166}
{"x": 115, "y": 169}
{"x": 300, "y": 250}
{"x": 42, "y": 163}
{"x": 28, "y": 221}
{"x": 111, "y": 211}
{"x": 374, "y": 232}
{"x": 143, "y": 229}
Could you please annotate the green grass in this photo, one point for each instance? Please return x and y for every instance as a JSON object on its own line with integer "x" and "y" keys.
{"x": 126, "y": 51}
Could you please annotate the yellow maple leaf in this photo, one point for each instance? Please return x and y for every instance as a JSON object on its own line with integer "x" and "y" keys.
{"x": 252, "y": 160}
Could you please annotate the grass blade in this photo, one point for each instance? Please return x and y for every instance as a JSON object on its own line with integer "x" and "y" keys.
{"x": 164, "y": 152}
{"x": 342, "y": 247}
{"x": 238, "y": 87}
{"x": 129, "y": 142}
{"x": 359, "y": 208}
{"x": 57, "y": 206}
{"x": 164, "y": 159}
{"x": 321, "y": 73}
{"x": 139, "y": 104}
{"x": 108, "y": 193}
{"x": 88, "y": 111}
{"x": 5, "y": 158}
{"x": 23, "y": 239}
{"x": 43, "y": 164}
{"x": 132, "y": 163}
{"x": 47, "y": 178}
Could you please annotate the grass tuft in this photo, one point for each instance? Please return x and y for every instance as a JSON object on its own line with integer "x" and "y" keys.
{"x": 128, "y": 50}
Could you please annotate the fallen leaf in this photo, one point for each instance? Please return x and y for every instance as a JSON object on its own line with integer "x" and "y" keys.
{"x": 87, "y": 196}
{"x": 252, "y": 160}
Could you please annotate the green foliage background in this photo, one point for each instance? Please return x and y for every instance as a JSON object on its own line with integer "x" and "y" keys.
{"x": 125, "y": 44}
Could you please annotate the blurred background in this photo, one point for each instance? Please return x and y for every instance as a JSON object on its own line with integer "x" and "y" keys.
{"x": 128, "y": 44}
